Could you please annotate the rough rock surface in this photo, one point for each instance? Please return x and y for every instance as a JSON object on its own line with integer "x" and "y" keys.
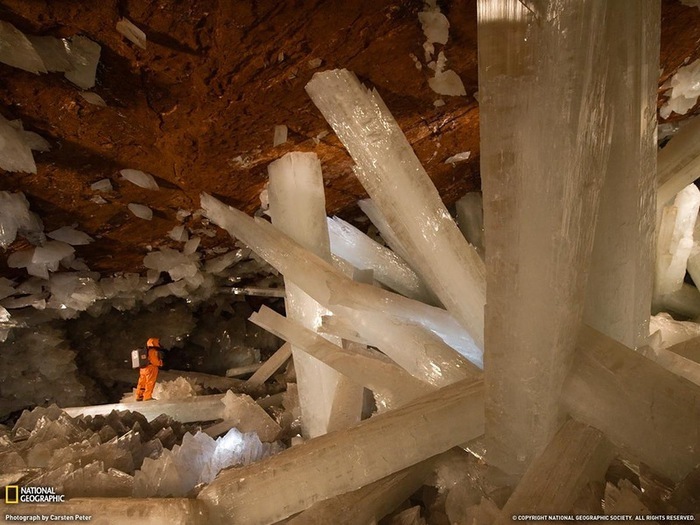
{"x": 197, "y": 106}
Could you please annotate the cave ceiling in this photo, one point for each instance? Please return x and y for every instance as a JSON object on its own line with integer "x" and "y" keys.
{"x": 197, "y": 107}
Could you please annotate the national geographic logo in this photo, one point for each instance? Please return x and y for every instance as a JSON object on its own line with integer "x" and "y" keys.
{"x": 11, "y": 494}
{"x": 16, "y": 494}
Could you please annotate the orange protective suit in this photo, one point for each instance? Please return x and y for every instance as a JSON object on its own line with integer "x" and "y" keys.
{"x": 148, "y": 376}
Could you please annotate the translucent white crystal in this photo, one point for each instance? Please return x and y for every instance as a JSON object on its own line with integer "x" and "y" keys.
{"x": 178, "y": 233}
{"x": 52, "y": 51}
{"x": 446, "y": 82}
{"x": 382, "y": 445}
{"x": 176, "y": 389}
{"x": 102, "y": 185}
{"x": 648, "y": 411}
{"x": 458, "y": 157}
{"x": 70, "y": 236}
{"x": 315, "y": 62}
{"x": 248, "y": 416}
{"x": 15, "y": 217}
{"x": 221, "y": 263}
{"x": 545, "y": 140}
{"x": 362, "y": 252}
{"x": 470, "y": 218}
{"x": 326, "y": 284}
{"x": 70, "y": 290}
{"x": 393, "y": 176}
{"x": 435, "y": 26}
{"x": 15, "y": 151}
{"x": 390, "y": 383}
{"x": 132, "y": 33}
{"x": 51, "y": 253}
{"x": 297, "y": 207}
{"x": 675, "y": 240}
{"x": 198, "y": 459}
{"x": 379, "y": 221}
{"x": 670, "y": 331}
{"x": 269, "y": 367}
{"x": 141, "y": 211}
{"x": 93, "y": 98}
{"x": 83, "y": 54}
{"x": 191, "y": 246}
{"x": 144, "y": 180}
{"x": 618, "y": 292}
{"x": 280, "y": 136}
{"x": 678, "y": 162}
{"x": 685, "y": 90}
{"x": 577, "y": 455}
{"x": 17, "y": 51}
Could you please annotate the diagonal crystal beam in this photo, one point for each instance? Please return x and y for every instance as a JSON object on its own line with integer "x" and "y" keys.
{"x": 326, "y": 284}
{"x": 389, "y": 170}
{"x": 389, "y": 269}
{"x": 649, "y": 412}
{"x": 382, "y": 445}
{"x": 577, "y": 455}
{"x": 393, "y": 386}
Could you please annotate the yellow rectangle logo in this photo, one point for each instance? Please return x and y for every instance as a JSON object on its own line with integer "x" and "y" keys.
{"x": 11, "y": 494}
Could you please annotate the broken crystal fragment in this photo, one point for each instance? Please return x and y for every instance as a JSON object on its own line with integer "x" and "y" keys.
{"x": 15, "y": 218}
{"x": 83, "y": 54}
{"x": 459, "y": 157}
{"x": 141, "y": 211}
{"x": 17, "y": 51}
{"x": 178, "y": 233}
{"x": 685, "y": 90}
{"x": 93, "y": 98}
{"x": 132, "y": 33}
{"x": 70, "y": 236}
{"x": 144, "y": 180}
{"x": 15, "y": 151}
{"x": 394, "y": 178}
{"x": 52, "y": 51}
{"x": 280, "y": 136}
{"x": 248, "y": 416}
{"x": 435, "y": 26}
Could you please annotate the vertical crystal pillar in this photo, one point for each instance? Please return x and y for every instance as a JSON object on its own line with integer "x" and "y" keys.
{"x": 545, "y": 139}
{"x": 396, "y": 181}
{"x": 618, "y": 294}
{"x": 298, "y": 208}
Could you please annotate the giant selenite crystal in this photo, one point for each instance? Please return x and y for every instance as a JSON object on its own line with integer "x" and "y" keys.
{"x": 375, "y": 448}
{"x": 298, "y": 208}
{"x": 675, "y": 241}
{"x": 396, "y": 181}
{"x": 618, "y": 292}
{"x": 328, "y": 285}
{"x": 544, "y": 142}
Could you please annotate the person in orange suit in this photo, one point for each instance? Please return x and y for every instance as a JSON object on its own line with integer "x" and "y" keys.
{"x": 149, "y": 373}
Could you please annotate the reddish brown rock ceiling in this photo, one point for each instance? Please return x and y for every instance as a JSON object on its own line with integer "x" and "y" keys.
{"x": 209, "y": 89}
